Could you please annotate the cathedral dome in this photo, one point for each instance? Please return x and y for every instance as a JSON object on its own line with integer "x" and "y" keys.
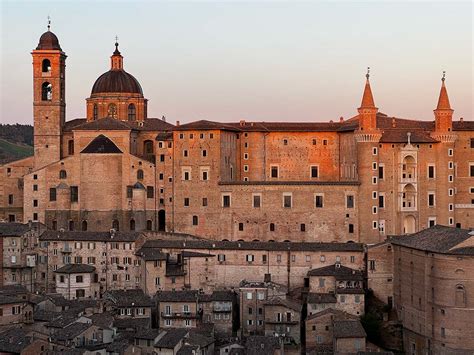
{"x": 116, "y": 81}
{"x": 48, "y": 41}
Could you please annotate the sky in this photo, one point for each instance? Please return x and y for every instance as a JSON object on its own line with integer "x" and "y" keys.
{"x": 251, "y": 60}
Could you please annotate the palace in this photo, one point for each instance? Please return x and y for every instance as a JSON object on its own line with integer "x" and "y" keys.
{"x": 355, "y": 180}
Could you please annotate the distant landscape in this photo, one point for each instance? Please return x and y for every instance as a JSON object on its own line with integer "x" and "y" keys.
{"x": 16, "y": 142}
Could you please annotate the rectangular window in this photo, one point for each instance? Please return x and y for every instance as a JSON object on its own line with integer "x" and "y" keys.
{"x": 226, "y": 201}
{"x": 204, "y": 174}
{"x": 274, "y": 172}
{"x": 319, "y": 201}
{"x": 351, "y": 228}
{"x": 303, "y": 227}
{"x": 431, "y": 221}
{"x": 241, "y": 226}
{"x": 350, "y": 201}
{"x": 381, "y": 172}
{"x": 221, "y": 257}
{"x": 381, "y": 201}
{"x": 287, "y": 200}
{"x": 264, "y": 258}
{"x": 321, "y": 282}
{"x": 150, "y": 192}
{"x": 314, "y": 171}
{"x": 431, "y": 172}
{"x": 257, "y": 199}
{"x": 74, "y": 193}
{"x": 186, "y": 174}
{"x": 195, "y": 220}
{"x": 471, "y": 169}
{"x": 250, "y": 258}
{"x": 372, "y": 265}
{"x": 52, "y": 194}
{"x": 246, "y": 168}
{"x": 431, "y": 199}
{"x": 10, "y": 199}
{"x": 204, "y": 201}
{"x": 186, "y": 202}
{"x": 35, "y": 203}
{"x": 35, "y": 187}
{"x": 129, "y": 191}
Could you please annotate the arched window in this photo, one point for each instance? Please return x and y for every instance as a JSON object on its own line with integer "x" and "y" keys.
{"x": 46, "y": 66}
{"x": 148, "y": 147}
{"x": 112, "y": 111}
{"x": 140, "y": 174}
{"x": 195, "y": 220}
{"x": 460, "y": 296}
{"x": 71, "y": 225}
{"x": 149, "y": 225}
{"x": 132, "y": 224}
{"x": 132, "y": 112}
{"x": 62, "y": 174}
{"x": 46, "y": 91}
{"x": 55, "y": 225}
{"x": 70, "y": 147}
{"x": 95, "y": 112}
{"x": 115, "y": 224}
{"x": 84, "y": 225}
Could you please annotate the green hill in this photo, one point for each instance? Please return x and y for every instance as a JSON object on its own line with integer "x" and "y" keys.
{"x": 16, "y": 142}
{"x": 13, "y": 151}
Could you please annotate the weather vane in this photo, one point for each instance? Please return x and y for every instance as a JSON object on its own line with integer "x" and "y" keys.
{"x": 444, "y": 75}
{"x": 368, "y": 72}
{"x": 49, "y": 22}
{"x": 116, "y": 39}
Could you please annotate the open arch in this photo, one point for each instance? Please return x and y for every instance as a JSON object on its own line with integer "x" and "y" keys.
{"x": 116, "y": 225}
{"x": 409, "y": 196}
{"x": 460, "y": 298}
{"x": 409, "y": 167}
{"x": 161, "y": 220}
{"x": 84, "y": 226}
{"x": 409, "y": 224}
{"x": 46, "y": 66}
{"x": 132, "y": 112}
{"x": 132, "y": 224}
{"x": 46, "y": 91}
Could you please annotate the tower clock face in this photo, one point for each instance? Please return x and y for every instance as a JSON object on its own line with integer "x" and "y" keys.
{"x": 112, "y": 111}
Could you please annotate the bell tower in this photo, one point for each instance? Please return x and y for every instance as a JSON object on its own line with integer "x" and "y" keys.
{"x": 49, "y": 104}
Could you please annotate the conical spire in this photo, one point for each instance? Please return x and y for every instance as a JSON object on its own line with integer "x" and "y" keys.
{"x": 443, "y": 101}
{"x": 367, "y": 98}
{"x": 116, "y": 59}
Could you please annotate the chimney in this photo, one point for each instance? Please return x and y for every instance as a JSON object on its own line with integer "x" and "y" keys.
{"x": 163, "y": 118}
{"x": 461, "y": 119}
{"x": 177, "y": 123}
{"x": 394, "y": 123}
{"x": 341, "y": 119}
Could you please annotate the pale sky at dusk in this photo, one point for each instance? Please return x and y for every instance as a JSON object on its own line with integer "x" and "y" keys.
{"x": 272, "y": 61}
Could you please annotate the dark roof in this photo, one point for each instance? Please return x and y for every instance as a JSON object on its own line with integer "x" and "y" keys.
{"x": 437, "y": 239}
{"x": 75, "y": 269}
{"x": 70, "y": 125}
{"x": 259, "y": 345}
{"x": 188, "y": 350}
{"x": 125, "y": 298}
{"x": 13, "y": 229}
{"x": 195, "y": 254}
{"x": 90, "y": 236}
{"x": 200, "y": 337}
{"x": 64, "y": 319}
{"x": 321, "y": 298}
{"x": 291, "y": 183}
{"x": 11, "y": 299}
{"x": 101, "y": 145}
{"x": 132, "y": 323}
{"x": 177, "y": 296}
{"x": 171, "y": 338}
{"x": 401, "y": 136}
{"x": 335, "y": 313}
{"x": 151, "y": 254}
{"x": 277, "y": 246}
{"x": 348, "y": 329}
{"x": 116, "y": 81}
{"x": 206, "y": 125}
{"x": 70, "y": 332}
{"x": 288, "y": 126}
{"x": 103, "y": 320}
{"x": 463, "y": 125}
{"x": 224, "y": 295}
{"x": 104, "y": 124}
{"x": 149, "y": 334}
{"x": 48, "y": 41}
{"x": 14, "y": 340}
{"x": 341, "y": 272}
{"x": 278, "y": 301}
{"x": 41, "y": 315}
{"x": 13, "y": 290}
{"x": 118, "y": 346}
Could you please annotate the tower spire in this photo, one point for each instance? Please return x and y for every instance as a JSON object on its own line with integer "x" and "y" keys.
{"x": 443, "y": 101}
{"x": 49, "y": 23}
{"x": 116, "y": 59}
{"x": 367, "y": 97}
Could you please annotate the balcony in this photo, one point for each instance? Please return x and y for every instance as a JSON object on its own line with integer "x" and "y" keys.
{"x": 179, "y": 315}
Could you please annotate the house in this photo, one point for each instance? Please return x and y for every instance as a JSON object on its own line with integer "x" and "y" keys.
{"x": 178, "y": 308}
{"x": 128, "y": 305}
{"x": 349, "y": 337}
{"x": 221, "y": 309}
{"x": 15, "y": 310}
{"x": 171, "y": 342}
{"x": 22, "y": 342}
{"x": 77, "y": 281}
{"x": 283, "y": 319}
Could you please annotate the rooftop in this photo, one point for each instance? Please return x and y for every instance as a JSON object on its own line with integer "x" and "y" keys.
{"x": 321, "y": 298}
{"x": 171, "y": 338}
{"x": 76, "y": 269}
{"x": 337, "y": 270}
{"x": 90, "y": 236}
{"x": 129, "y": 298}
{"x": 70, "y": 332}
{"x": 348, "y": 329}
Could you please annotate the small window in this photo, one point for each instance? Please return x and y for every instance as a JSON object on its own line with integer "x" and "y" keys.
{"x": 70, "y": 147}
{"x": 226, "y": 201}
{"x": 471, "y": 170}
{"x": 95, "y": 112}
{"x": 84, "y": 226}
{"x": 241, "y": 226}
{"x": 274, "y": 172}
{"x": 52, "y": 194}
{"x": 10, "y": 199}
{"x": 350, "y": 201}
{"x": 319, "y": 201}
{"x": 140, "y": 174}
{"x": 46, "y": 66}
{"x": 287, "y": 200}
{"x": 204, "y": 201}
{"x": 62, "y": 174}
{"x": 195, "y": 220}
{"x": 246, "y": 156}
{"x": 185, "y": 153}
{"x": 431, "y": 172}
{"x": 381, "y": 201}
{"x": 381, "y": 172}
{"x": 314, "y": 141}
{"x": 149, "y": 225}
{"x": 431, "y": 199}
{"x": 272, "y": 227}
{"x": 314, "y": 172}
{"x": 325, "y": 142}
{"x": 472, "y": 143}
{"x": 303, "y": 227}
{"x": 132, "y": 224}
{"x": 351, "y": 228}
{"x": 204, "y": 153}
{"x": 257, "y": 199}
{"x": 186, "y": 202}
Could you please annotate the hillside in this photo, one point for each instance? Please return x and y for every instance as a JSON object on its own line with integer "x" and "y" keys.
{"x": 16, "y": 142}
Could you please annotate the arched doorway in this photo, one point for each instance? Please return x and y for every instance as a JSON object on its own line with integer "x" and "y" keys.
{"x": 409, "y": 224}
{"x": 161, "y": 220}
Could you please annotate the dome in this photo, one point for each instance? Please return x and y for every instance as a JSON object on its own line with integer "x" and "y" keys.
{"x": 116, "y": 81}
{"x": 48, "y": 41}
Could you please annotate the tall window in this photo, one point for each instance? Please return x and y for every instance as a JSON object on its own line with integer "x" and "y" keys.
{"x": 149, "y": 225}
{"x": 46, "y": 66}
{"x": 84, "y": 226}
{"x": 62, "y": 174}
{"x": 140, "y": 174}
{"x": 132, "y": 224}
{"x": 52, "y": 194}
{"x": 460, "y": 298}
{"x": 148, "y": 147}
{"x": 115, "y": 224}
{"x": 74, "y": 193}
{"x": 46, "y": 91}
{"x": 95, "y": 112}
{"x": 132, "y": 112}
{"x": 112, "y": 111}
{"x": 70, "y": 147}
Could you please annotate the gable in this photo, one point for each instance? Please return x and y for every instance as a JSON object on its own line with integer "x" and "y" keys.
{"x": 101, "y": 145}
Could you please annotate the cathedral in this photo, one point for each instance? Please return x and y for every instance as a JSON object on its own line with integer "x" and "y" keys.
{"x": 354, "y": 180}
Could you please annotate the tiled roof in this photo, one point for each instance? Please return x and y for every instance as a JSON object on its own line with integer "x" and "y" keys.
{"x": 200, "y": 337}
{"x": 401, "y": 136}
{"x": 104, "y": 124}
{"x": 278, "y": 301}
{"x": 337, "y": 270}
{"x": 70, "y": 332}
{"x": 102, "y": 320}
{"x": 70, "y": 125}
{"x": 11, "y": 299}
{"x": 219, "y": 296}
{"x": 75, "y": 269}
{"x": 101, "y": 145}
{"x": 188, "y": 350}
{"x": 90, "y": 236}
{"x": 195, "y": 254}
{"x": 463, "y": 125}
{"x": 231, "y": 245}
{"x": 321, "y": 298}
{"x": 291, "y": 183}
{"x": 336, "y": 314}
{"x": 13, "y": 229}
{"x": 13, "y": 290}
{"x": 151, "y": 254}
{"x": 171, "y": 338}
{"x": 288, "y": 126}
{"x": 259, "y": 345}
{"x": 437, "y": 239}
{"x": 14, "y": 340}
{"x": 177, "y": 296}
{"x": 205, "y": 125}
{"x": 149, "y": 334}
{"x": 125, "y": 298}
{"x": 348, "y": 329}
{"x": 132, "y": 323}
